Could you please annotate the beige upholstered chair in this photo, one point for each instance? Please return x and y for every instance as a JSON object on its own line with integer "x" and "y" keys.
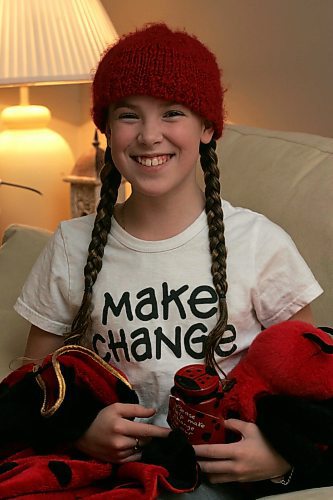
{"x": 286, "y": 176}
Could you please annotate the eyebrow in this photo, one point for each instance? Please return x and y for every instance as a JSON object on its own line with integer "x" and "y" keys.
{"x": 126, "y": 104}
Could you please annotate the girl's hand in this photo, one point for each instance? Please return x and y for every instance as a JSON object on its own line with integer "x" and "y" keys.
{"x": 112, "y": 437}
{"x": 250, "y": 459}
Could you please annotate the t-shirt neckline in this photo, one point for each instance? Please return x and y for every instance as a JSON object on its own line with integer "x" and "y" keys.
{"x": 133, "y": 243}
{"x": 176, "y": 241}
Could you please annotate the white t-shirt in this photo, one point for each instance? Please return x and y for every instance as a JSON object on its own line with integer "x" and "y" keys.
{"x": 154, "y": 301}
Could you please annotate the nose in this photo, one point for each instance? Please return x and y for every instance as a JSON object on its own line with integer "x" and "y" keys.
{"x": 150, "y": 132}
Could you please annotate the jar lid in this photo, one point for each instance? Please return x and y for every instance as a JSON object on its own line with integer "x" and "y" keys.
{"x": 196, "y": 380}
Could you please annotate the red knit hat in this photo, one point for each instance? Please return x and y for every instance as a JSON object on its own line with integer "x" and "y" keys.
{"x": 161, "y": 63}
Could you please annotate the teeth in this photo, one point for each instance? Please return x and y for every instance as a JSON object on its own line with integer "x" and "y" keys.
{"x": 152, "y": 162}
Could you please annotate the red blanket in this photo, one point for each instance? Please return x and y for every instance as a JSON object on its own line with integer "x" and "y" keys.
{"x": 42, "y": 409}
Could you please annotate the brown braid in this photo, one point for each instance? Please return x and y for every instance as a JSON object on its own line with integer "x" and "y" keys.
{"x": 111, "y": 179}
{"x": 208, "y": 160}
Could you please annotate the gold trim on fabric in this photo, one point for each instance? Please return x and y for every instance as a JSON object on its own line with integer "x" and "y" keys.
{"x": 48, "y": 412}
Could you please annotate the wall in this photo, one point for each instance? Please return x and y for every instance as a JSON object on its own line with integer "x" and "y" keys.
{"x": 276, "y": 56}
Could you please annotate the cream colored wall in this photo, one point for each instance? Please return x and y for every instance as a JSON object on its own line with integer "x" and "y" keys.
{"x": 276, "y": 55}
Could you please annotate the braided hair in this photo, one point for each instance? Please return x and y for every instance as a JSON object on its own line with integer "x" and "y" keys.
{"x": 208, "y": 160}
{"x": 181, "y": 69}
{"x": 111, "y": 180}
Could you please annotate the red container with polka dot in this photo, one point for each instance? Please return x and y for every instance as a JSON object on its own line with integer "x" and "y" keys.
{"x": 195, "y": 404}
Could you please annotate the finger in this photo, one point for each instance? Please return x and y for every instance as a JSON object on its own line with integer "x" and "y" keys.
{"x": 143, "y": 441}
{"x": 137, "y": 446}
{"x": 216, "y": 466}
{"x": 134, "y": 410}
{"x": 216, "y": 451}
{"x": 121, "y": 458}
{"x": 134, "y": 457}
{"x": 127, "y": 453}
{"x": 130, "y": 448}
{"x": 141, "y": 430}
{"x": 130, "y": 445}
{"x": 236, "y": 425}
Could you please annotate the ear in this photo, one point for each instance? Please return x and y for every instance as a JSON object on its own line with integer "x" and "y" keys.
{"x": 207, "y": 133}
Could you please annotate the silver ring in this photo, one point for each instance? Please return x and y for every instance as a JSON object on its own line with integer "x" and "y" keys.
{"x": 137, "y": 446}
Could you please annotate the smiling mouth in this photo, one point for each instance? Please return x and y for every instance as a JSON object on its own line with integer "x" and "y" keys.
{"x": 152, "y": 161}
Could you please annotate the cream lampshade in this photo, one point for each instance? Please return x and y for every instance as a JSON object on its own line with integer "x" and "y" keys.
{"x": 43, "y": 42}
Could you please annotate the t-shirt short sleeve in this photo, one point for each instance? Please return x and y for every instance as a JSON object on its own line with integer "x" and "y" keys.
{"x": 285, "y": 284}
{"x": 45, "y": 298}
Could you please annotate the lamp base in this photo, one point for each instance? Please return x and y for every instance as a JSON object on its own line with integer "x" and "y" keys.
{"x": 38, "y": 157}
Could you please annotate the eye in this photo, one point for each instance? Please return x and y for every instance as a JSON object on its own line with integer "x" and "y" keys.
{"x": 173, "y": 113}
{"x": 128, "y": 116}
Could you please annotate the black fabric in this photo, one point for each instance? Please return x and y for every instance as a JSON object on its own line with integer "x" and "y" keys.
{"x": 7, "y": 467}
{"x": 302, "y": 432}
{"x": 21, "y": 420}
{"x": 176, "y": 455}
{"x": 62, "y": 472}
{"x": 23, "y": 401}
{"x": 19, "y": 403}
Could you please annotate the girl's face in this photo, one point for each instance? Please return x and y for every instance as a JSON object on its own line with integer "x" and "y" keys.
{"x": 155, "y": 143}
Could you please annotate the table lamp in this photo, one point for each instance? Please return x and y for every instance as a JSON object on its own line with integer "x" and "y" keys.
{"x": 43, "y": 42}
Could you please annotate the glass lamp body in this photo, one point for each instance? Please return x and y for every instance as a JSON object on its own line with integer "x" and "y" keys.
{"x": 34, "y": 155}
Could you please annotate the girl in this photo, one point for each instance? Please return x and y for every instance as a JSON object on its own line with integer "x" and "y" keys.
{"x": 157, "y": 281}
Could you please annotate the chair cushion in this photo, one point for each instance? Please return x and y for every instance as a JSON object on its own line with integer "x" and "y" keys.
{"x": 288, "y": 177}
{"x": 20, "y": 248}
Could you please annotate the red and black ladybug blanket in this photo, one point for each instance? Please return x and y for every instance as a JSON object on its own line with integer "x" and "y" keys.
{"x": 284, "y": 384}
{"x": 44, "y": 408}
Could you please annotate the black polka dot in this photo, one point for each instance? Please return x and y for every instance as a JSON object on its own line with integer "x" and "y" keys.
{"x": 62, "y": 472}
{"x": 7, "y": 466}
{"x": 206, "y": 436}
